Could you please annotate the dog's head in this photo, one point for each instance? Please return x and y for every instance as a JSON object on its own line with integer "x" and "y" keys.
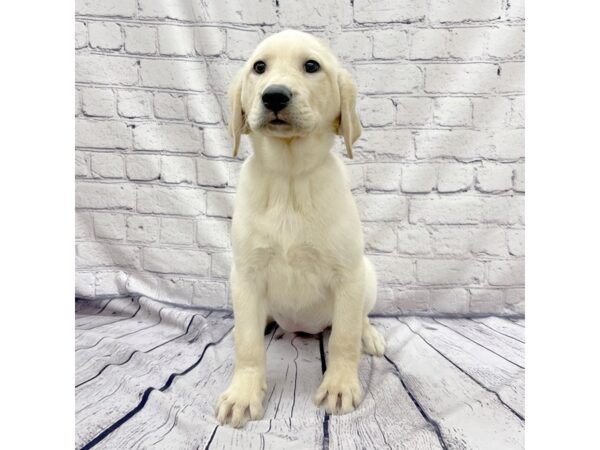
{"x": 293, "y": 86}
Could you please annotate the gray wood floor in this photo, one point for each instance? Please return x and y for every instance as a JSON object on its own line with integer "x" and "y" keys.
{"x": 148, "y": 376}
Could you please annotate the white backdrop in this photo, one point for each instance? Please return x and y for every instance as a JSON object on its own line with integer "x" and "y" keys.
{"x": 438, "y": 173}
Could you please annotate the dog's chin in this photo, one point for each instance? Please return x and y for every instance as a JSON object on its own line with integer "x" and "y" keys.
{"x": 281, "y": 129}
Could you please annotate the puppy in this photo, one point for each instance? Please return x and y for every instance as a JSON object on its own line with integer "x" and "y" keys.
{"x": 296, "y": 234}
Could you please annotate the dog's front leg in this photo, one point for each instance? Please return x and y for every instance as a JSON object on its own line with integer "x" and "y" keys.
{"x": 244, "y": 396}
{"x": 340, "y": 390}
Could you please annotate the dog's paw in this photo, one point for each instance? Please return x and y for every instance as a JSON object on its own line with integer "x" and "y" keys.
{"x": 243, "y": 400}
{"x": 339, "y": 392}
{"x": 373, "y": 342}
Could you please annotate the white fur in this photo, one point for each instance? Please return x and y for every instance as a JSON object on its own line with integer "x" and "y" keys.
{"x": 296, "y": 233}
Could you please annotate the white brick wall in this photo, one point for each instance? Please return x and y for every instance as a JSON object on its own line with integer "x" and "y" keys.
{"x": 438, "y": 173}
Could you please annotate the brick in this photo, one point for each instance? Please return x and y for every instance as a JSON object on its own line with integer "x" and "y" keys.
{"x": 411, "y": 301}
{"x": 314, "y": 14}
{"x": 218, "y": 143}
{"x": 517, "y": 113}
{"x": 219, "y": 204}
{"x": 204, "y": 108}
{"x": 176, "y": 288}
{"x": 414, "y": 241}
{"x": 352, "y": 45}
{"x": 104, "y": 134}
{"x": 512, "y": 77}
{"x": 104, "y": 196}
{"x": 177, "y": 231}
{"x": 465, "y": 11}
{"x": 259, "y": 12}
{"x": 382, "y": 207}
{"x": 383, "y": 177}
{"x": 134, "y": 104}
{"x": 169, "y": 106}
{"x": 105, "y": 35}
{"x": 461, "y": 78}
{"x": 109, "y": 226}
{"x": 142, "y": 229}
{"x": 113, "y": 8}
{"x": 429, "y": 43}
{"x": 110, "y": 283}
{"x": 420, "y": 178}
{"x": 220, "y": 265}
{"x": 375, "y": 111}
{"x": 451, "y": 241}
{"x": 385, "y": 301}
{"x": 502, "y": 210}
{"x": 143, "y": 167}
{"x": 107, "y": 165}
{"x": 468, "y": 43}
{"x": 85, "y": 285}
{"x": 380, "y": 237}
{"x": 140, "y": 40}
{"x": 464, "y": 145}
{"x": 178, "y": 169}
{"x": 144, "y": 285}
{"x": 98, "y": 102}
{"x": 486, "y": 301}
{"x": 454, "y": 177}
{"x": 446, "y": 210}
{"x": 241, "y": 43}
{"x": 515, "y": 10}
{"x": 506, "y": 273}
{"x": 378, "y": 11}
{"x": 388, "y": 144}
{"x": 449, "y": 301}
{"x": 509, "y": 144}
{"x": 519, "y": 178}
{"x": 449, "y": 271}
{"x": 81, "y": 39}
{"x": 166, "y": 200}
{"x": 492, "y": 112}
{"x": 514, "y": 300}
{"x": 163, "y": 260}
{"x": 104, "y": 69}
{"x": 516, "y": 242}
{"x": 95, "y": 254}
{"x": 221, "y": 72}
{"x": 390, "y": 44}
{"x": 173, "y": 74}
{"x": 453, "y": 112}
{"x": 392, "y": 269}
{"x": 175, "y": 40}
{"x": 170, "y": 137}
{"x": 211, "y": 173}
{"x": 494, "y": 177}
{"x": 82, "y": 164}
{"x": 210, "y": 294}
{"x": 356, "y": 175}
{"x": 84, "y": 225}
{"x": 209, "y": 41}
{"x": 413, "y": 110}
{"x": 213, "y": 233}
{"x": 388, "y": 78}
{"x": 166, "y": 9}
{"x": 506, "y": 42}
{"x": 78, "y": 102}
{"x": 489, "y": 241}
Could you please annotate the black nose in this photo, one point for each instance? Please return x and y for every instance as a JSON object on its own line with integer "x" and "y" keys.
{"x": 276, "y": 97}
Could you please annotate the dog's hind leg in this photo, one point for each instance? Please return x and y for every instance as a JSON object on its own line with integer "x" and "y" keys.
{"x": 373, "y": 342}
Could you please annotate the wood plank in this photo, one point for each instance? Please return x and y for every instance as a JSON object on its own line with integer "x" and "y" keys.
{"x": 486, "y": 368}
{"x": 520, "y": 322}
{"x": 291, "y": 419}
{"x": 504, "y": 326}
{"x": 119, "y": 389}
{"x": 90, "y": 361}
{"x": 117, "y": 309}
{"x": 468, "y": 416}
{"x": 387, "y": 417}
{"x": 90, "y": 307}
{"x": 503, "y": 346}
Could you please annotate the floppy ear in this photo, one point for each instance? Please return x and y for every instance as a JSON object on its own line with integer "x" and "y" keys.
{"x": 237, "y": 118}
{"x": 349, "y": 127}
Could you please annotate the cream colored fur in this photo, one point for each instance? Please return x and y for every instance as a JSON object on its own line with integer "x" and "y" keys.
{"x": 296, "y": 233}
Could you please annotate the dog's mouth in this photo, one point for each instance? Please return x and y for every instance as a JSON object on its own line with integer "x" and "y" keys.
{"x": 278, "y": 121}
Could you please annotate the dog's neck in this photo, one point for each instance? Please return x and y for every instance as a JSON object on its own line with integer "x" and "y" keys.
{"x": 292, "y": 157}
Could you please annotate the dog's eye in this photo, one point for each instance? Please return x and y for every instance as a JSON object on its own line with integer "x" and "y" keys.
{"x": 260, "y": 67}
{"x": 311, "y": 66}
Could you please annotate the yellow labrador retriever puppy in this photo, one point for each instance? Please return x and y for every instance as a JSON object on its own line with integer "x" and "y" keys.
{"x": 296, "y": 233}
